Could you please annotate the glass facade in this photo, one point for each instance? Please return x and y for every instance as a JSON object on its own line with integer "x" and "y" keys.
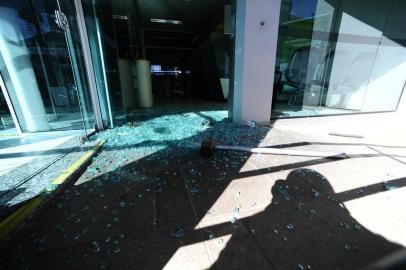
{"x": 333, "y": 57}
{"x": 41, "y": 63}
{"x": 339, "y": 57}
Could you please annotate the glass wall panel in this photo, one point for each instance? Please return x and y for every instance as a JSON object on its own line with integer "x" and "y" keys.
{"x": 42, "y": 65}
{"x": 388, "y": 74}
{"x": 101, "y": 31}
{"x": 75, "y": 50}
{"x": 332, "y": 55}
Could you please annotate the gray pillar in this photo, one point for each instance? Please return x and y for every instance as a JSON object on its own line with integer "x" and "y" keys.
{"x": 126, "y": 83}
{"x": 25, "y": 93}
{"x": 256, "y": 38}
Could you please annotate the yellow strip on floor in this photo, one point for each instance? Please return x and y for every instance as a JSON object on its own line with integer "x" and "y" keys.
{"x": 11, "y": 222}
{"x": 9, "y": 135}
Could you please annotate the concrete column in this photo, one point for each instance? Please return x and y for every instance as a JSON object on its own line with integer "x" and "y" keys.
{"x": 126, "y": 83}
{"x": 257, "y": 23}
{"x": 144, "y": 85}
{"x": 25, "y": 93}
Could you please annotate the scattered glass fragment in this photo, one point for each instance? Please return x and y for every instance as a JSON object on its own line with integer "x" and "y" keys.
{"x": 357, "y": 227}
{"x": 194, "y": 190}
{"x": 251, "y": 123}
{"x": 390, "y": 186}
{"x": 206, "y": 123}
{"x": 283, "y": 189}
{"x": 360, "y": 190}
{"x": 177, "y": 233}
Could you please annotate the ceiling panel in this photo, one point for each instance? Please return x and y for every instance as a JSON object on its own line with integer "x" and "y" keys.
{"x": 196, "y": 15}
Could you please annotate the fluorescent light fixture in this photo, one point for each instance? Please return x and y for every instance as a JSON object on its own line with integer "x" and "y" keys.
{"x": 120, "y": 17}
{"x": 166, "y": 21}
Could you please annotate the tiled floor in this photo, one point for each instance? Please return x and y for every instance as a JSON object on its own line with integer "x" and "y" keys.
{"x": 234, "y": 211}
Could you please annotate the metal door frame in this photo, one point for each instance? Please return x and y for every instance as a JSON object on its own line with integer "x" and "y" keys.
{"x": 88, "y": 63}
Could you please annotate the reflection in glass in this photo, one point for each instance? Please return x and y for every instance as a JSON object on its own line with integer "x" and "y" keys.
{"x": 333, "y": 57}
{"x": 6, "y": 121}
{"x": 42, "y": 66}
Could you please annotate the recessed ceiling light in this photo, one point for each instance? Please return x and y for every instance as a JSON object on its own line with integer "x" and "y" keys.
{"x": 166, "y": 21}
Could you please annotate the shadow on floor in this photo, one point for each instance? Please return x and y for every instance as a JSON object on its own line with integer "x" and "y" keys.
{"x": 306, "y": 227}
{"x": 146, "y": 213}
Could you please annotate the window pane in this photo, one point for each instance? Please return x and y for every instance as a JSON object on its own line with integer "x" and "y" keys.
{"x": 332, "y": 57}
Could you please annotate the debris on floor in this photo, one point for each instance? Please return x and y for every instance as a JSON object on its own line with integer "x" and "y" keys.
{"x": 179, "y": 132}
{"x": 129, "y": 202}
{"x": 177, "y": 233}
{"x": 390, "y": 186}
{"x": 251, "y": 123}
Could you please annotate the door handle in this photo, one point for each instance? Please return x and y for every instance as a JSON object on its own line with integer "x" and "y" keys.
{"x": 61, "y": 20}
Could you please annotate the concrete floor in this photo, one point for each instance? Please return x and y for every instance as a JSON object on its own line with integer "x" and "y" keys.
{"x": 172, "y": 209}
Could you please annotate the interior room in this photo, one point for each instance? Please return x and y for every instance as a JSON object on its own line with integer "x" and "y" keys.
{"x": 187, "y": 58}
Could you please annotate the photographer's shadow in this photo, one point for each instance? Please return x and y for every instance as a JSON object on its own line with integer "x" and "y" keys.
{"x": 306, "y": 226}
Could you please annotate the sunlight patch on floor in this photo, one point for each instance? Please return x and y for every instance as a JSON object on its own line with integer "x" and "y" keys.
{"x": 382, "y": 213}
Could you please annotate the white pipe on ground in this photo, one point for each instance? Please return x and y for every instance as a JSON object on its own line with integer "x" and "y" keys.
{"x": 279, "y": 151}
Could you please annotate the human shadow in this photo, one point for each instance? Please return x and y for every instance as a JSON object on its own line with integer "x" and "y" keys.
{"x": 306, "y": 226}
